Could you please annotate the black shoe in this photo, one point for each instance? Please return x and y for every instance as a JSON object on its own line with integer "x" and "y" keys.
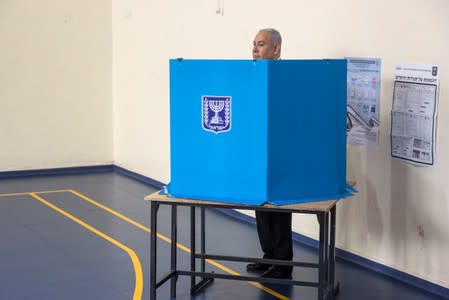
{"x": 257, "y": 267}
{"x": 276, "y": 272}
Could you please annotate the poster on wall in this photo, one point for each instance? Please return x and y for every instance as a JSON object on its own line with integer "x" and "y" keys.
{"x": 414, "y": 113}
{"x": 363, "y": 98}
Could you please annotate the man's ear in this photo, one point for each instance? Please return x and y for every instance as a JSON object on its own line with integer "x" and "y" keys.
{"x": 277, "y": 50}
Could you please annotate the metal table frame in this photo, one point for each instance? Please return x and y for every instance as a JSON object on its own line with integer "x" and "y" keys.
{"x": 326, "y": 214}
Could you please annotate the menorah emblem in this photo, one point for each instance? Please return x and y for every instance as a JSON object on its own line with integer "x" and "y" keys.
{"x": 216, "y": 113}
{"x": 216, "y": 107}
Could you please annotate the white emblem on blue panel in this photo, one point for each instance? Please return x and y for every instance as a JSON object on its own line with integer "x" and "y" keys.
{"x": 216, "y": 113}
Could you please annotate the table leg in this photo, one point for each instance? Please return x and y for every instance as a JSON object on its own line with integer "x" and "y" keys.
{"x": 153, "y": 249}
{"x": 203, "y": 238}
{"x": 332, "y": 250}
{"x": 174, "y": 239}
{"x": 321, "y": 258}
{"x": 192, "y": 249}
{"x": 326, "y": 250}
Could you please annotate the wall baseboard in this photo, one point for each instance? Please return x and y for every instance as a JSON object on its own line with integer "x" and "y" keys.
{"x": 144, "y": 179}
{"x": 57, "y": 171}
{"x": 297, "y": 237}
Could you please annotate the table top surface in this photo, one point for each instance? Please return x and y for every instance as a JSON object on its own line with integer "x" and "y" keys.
{"x": 308, "y": 207}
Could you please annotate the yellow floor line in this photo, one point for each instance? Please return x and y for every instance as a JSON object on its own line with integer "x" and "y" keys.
{"x": 52, "y": 191}
{"x": 14, "y": 194}
{"x": 28, "y": 193}
{"x": 180, "y": 246}
{"x": 134, "y": 258}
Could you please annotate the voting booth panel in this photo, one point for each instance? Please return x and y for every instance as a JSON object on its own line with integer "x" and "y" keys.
{"x": 251, "y": 132}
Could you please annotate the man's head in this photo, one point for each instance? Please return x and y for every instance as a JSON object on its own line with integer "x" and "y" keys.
{"x": 267, "y": 44}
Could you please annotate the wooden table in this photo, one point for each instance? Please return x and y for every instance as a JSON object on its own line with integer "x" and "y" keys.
{"x": 326, "y": 214}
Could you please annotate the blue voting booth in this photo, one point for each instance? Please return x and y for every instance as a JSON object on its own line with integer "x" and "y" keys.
{"x": 251, "y": 132}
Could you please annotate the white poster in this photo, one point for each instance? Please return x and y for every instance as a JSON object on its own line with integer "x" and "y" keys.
{"x": 414, "y": 113}
{"x": 363, "y": 98}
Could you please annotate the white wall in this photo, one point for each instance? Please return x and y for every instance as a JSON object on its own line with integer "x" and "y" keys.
{"x": 79, "y": 88}
{"x": 55, "y": 83}
{"x": 399, "y": 217}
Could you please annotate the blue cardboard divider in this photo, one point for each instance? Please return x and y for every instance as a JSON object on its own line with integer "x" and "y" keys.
{"x": 251, "y": 132}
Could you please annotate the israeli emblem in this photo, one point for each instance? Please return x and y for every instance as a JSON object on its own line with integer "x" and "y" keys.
{"x": 216, "y": 112}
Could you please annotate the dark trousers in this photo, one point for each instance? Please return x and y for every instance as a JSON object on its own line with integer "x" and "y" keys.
{"x": 275, "y": 235}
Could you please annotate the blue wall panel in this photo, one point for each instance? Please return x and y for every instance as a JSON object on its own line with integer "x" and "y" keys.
{"x": 307, "y": 135}
{"x": 228, "y": 165}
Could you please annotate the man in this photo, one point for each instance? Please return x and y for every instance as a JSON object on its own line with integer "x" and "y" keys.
{"x": 274, "y": 228}
{"x": 267, "y": 44}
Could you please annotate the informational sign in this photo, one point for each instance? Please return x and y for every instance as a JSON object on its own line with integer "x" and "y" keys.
{"x": 414, "y": 113}
{"x": 363, "y": 101}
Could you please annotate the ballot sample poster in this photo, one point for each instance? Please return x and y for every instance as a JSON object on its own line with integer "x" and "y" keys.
{"x": 363, "y": 100}
{"x": 414, "y": 113}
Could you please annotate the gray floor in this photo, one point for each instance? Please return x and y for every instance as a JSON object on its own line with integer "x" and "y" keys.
{"x": 76, "y": 243}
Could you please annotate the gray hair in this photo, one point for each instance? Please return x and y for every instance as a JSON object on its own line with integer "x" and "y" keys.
{"x": 276, "y": 38}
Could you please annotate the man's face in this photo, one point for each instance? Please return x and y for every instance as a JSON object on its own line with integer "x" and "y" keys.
{"x": 263, "y": 47}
